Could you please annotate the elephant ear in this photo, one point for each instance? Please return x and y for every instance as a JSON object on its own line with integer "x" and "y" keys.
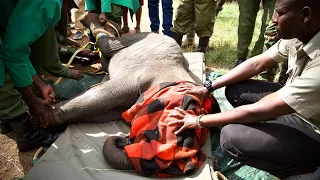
{"x": 112, "y": 152}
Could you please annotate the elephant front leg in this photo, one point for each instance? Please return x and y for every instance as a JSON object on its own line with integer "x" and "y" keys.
{"x": 101, "y": 103}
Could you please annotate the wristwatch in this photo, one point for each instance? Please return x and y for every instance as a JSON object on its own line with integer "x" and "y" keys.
{"x": 208, "y": 85}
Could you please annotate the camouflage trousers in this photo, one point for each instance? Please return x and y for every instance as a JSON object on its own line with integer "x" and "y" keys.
{"x": 276, "y": 73}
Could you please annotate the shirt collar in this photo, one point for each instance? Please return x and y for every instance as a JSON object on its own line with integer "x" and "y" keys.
{"x": 312, "y": 48}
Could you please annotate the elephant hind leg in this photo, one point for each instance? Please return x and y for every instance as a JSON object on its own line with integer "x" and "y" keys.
{"x": 112, "y": 152}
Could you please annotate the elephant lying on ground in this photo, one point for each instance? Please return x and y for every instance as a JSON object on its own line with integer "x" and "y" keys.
{"x": 135, "y": 64}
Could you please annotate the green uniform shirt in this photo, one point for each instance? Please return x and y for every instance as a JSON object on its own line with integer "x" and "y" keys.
{"x": 21, "y": 23}
{"x": 92, "y": 5}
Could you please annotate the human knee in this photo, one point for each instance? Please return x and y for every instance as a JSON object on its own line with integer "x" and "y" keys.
{"x": 232, "y": 93}
{"x": 229, "y": 139}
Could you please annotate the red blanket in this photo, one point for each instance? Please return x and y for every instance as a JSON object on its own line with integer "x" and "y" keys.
{"x": 154, "y": 148}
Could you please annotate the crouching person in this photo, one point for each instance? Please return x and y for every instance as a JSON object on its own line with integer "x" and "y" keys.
{"x": 17, "y": 73}
{"x": 272, "y": 127}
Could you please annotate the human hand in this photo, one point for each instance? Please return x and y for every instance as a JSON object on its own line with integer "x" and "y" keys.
{"x": 45, "y": 90}
{"x": 42, "y": 112}
{"x": 75, "y": 74}
{"x": 185, "y": 119}
{"x": 189, "y": 88}
{"x": 103, "y": 18}
{"x": 47, "y": 94}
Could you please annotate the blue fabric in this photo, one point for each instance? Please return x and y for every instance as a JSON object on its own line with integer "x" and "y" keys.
{"x": 167, "y": 11}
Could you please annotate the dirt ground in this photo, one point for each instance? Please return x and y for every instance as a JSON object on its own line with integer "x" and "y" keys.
{"x": 16, "y": 164}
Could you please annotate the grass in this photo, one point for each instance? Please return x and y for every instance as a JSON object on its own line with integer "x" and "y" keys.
{"x": 222, "y": 54}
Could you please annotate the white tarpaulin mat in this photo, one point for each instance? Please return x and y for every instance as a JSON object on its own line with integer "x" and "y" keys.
{"x": 77, "y": 153}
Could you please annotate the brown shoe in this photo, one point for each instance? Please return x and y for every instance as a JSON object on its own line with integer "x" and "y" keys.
{"x": 125, "y": 29}
{"x": 188, "y": 43}
{"x": 137, "y": 28}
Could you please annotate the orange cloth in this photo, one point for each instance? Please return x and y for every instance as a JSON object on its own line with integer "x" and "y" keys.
{"x": 154, "y": 148}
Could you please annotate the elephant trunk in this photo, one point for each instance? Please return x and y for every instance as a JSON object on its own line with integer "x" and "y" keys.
{"x": 112, "y": 151}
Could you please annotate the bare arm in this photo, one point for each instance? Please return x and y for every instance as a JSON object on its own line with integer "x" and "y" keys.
{"x": 268, "y": 107}
{"x": 245, "y": 70}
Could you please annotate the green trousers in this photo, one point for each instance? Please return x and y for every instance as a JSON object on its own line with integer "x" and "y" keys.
{"x": 247, "y": 18}
{"x": 45, "y": 56}
{"x": 201, "y": 13}
{"x": 11, "y": 103}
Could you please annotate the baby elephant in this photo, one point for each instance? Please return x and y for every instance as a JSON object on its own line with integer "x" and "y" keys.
{"x": 145, "y": 70}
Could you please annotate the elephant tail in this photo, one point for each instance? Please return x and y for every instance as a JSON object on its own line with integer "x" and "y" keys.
{"x": 112, "y": 151}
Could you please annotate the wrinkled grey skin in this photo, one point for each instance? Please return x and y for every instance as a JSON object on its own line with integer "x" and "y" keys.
{"x": 135, "y": 64}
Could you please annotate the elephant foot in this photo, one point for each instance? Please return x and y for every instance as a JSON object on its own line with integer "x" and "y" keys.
{"x": 112, "y": 151}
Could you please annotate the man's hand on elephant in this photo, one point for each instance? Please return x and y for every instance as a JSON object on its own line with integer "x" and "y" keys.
{"x": 42, "y": 112}
{"x": 40, "y": 109}
{"x": 185, "y": 119}
{"x": 45, "y": 90}
{"x": 75, "y": 74}
{"x": 199, "y": 91}
{"x": 103, "y": 18}
{"x": 48, "y": 94}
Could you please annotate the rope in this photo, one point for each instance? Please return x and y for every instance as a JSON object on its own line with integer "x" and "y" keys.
{"x": 111, "y": 25}
{"x": 71, "y": 59}
{"x": 215, "y": 175}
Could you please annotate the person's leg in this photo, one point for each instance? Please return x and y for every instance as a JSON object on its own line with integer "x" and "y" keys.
{"x": 184, "y": 21}
{"x": 189, "y": 41}
{"x": 205, "y": 15}
{"x": 247, "y": 18}
{"x": 249, "y": 91}
{"x": 77, "y": 15}
{"x": 280, "y": 152}
{"x": 268, "y": 9}
{"x": 153, "y": 6}
{"x": 116, "y": 14}
{"x": 283, "y": 147}
{"x": 125, "y": 28}
{"x": 270, "y": 38}
{"x": 138, "y": 18}
{"x": 167, "y": 11}
{"x": 62, "y": 27}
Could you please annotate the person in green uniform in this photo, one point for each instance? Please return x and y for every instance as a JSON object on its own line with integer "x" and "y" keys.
{"x": 247, "y": 18}
{"x": 198, "y": 14}
{"x": 111, "y": 9}
{"x": 45, "y": 54}
{"x": 22, "y": 22}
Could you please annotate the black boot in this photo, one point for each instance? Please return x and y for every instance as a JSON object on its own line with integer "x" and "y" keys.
{"x": 203, "y": 44}
{"x": 239, "y": 61}
{"x": 5, "y": 127}
{"x": 176, "y": 37}
{"x": 30, "y": 137}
